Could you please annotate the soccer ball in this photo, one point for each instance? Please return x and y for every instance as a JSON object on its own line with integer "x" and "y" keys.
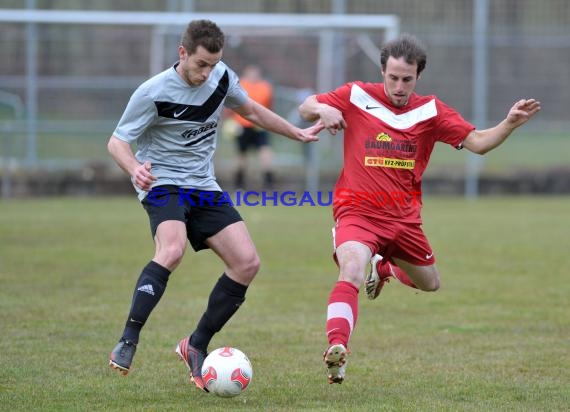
{"x": 226, "y": 372}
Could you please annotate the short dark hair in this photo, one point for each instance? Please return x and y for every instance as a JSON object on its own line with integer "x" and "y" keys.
{"x": 203, "y": 33}
{"x": 406, "y": 46}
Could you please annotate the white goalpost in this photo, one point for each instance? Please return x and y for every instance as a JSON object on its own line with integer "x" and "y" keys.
{"x": 330, "y": 32}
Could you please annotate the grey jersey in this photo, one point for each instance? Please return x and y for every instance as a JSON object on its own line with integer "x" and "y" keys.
{"x": 175, "y": 125}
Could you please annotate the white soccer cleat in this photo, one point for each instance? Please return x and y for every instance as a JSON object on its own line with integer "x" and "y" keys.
{"x": 335, "y": 359}
{"x": 375, "y": 282}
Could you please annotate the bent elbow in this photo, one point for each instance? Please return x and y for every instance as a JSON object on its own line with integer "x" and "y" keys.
{"x": 477, "y": 149}
{"x": 305, "y": 114}
{"x": 111, "y": 145}
{"x": 307, "y": 109}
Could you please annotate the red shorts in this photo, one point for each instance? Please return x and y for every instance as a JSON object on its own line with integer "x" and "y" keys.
{"x": 389, "y": 238}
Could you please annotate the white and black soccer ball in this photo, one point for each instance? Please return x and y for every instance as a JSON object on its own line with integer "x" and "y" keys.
{"x": 227, "y": 372}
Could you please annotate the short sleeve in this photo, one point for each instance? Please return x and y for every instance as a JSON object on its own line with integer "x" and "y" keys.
{"x": 451, "y": 127}
{"x": 338, "y": 98}
{"x": 138, "y": 116}
{"x": 236, "y": 96}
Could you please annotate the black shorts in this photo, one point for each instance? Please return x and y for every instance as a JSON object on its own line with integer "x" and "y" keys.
{"x": 252, "y": 137}
{"x": 205, "y": 213}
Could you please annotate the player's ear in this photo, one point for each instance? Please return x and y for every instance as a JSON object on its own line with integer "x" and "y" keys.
{"x": 182, "y": 53}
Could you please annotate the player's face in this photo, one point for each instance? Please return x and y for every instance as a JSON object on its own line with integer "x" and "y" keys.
{"x": 196, "y": 67}
{"x": 399, "y": 80}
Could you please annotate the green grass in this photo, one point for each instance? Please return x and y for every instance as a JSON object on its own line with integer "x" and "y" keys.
{"x": 522, "y": 151}
{"x": 494, "y": 338}
{"x": 78, "y": 147}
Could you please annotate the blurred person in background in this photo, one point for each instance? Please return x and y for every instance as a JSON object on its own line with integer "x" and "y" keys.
{"x": 389, "y": 134}
{"x": 173, "y": 118}
{"x": 249, "y": 136}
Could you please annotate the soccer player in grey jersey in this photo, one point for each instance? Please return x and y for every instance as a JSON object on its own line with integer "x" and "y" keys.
{"x": 173, "y": 119}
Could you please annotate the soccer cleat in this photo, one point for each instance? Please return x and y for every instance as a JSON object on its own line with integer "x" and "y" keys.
{"x": 122, "y": 356}
{"x": 194, "y": 359}
{"x": 375, "y": 281}
{"x": 335, "y": 359}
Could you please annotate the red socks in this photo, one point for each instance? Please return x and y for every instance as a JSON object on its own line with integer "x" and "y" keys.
{"x": 342, "y": 312}
{"x": 385, "y": 267}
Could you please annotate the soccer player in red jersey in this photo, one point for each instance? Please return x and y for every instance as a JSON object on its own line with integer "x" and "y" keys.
{"x": 389, "y": 134}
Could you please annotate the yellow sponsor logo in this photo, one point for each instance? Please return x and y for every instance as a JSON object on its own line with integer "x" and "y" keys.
{"x": 383, "y": 137}
{"x": 387, "y": 162}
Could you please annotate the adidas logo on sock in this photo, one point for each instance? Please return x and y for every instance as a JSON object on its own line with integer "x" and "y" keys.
{"x": 146, "y": 289}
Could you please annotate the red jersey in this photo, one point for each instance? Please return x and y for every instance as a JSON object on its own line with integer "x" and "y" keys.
{"x": 387, "y": 149}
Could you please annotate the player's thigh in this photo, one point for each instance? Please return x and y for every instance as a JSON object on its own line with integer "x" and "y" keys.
{"x": 413, "y": 253}
{"x": 233, "y": 244}
{"x": 424, "y": 277}
{"x": 163, "y": 204}
{"x": 167, "y": 217}
{"x": 210, "y": 214}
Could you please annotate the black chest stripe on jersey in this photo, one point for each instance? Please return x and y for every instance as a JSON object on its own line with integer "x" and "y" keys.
{"x": 199, "y": 113}
{"x": 198, "y": 140}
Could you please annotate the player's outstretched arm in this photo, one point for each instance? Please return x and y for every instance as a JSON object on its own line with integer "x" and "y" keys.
{"x": 522, "y": 111}
{"x": 483, "y": 141}
{"x": 268, "y": 120}
{"x": 331, "y": 117}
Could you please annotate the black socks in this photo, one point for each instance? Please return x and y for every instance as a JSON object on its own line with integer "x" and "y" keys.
{"x": 148, "y": 291}
{"x": 225, "y": 299}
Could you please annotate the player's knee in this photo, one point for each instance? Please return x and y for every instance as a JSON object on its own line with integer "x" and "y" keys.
{"x": 248, "y": 267}
{"x": 431, "y": 284}
{"x": 171, "y": 255}
{"x": 253, "y": 265}
{"x": 352, "y": 272}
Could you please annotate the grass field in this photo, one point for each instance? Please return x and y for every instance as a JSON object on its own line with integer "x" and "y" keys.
{"x": 496, "y": 337}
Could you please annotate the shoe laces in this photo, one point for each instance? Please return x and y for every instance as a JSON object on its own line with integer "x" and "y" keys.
{"x": 127, "y": 347}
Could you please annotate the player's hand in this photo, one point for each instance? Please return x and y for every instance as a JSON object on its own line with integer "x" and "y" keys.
{"x": 332, "y": 119}
{"x": 310, "y": 134}
{"x": 142, "y": 176}
{"x": 522, "y": 111}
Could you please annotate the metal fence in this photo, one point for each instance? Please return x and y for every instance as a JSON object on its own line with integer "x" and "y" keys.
{"x": 86, "y": 72}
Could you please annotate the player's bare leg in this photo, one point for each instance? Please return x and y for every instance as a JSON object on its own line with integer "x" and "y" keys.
{"x": 425, "y": 278}
{"x": 342, "y": 309}
{"x": 382, "y": 270}
{"x": 234, "y": 246}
